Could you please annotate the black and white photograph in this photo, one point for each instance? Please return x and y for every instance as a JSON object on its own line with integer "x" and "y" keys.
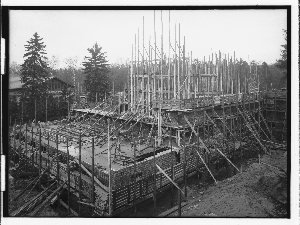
{"x": 148, "y": 112}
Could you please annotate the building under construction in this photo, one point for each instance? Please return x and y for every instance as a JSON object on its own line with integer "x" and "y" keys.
{"x": 178, "y": 117}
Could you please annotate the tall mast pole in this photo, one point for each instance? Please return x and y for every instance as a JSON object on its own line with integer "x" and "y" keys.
{"x": 138, "y": 70}
{"x": 143, "y": 69}
{"x": 149, "y": 76}
{"x": 175, "y": 58}
{"x": 154, "y": 59}
{"x": 169, "y": 70}
{"x": 135, "y": 98}
{"x": 179, "y": 75}
{"x": 161, "y": 60}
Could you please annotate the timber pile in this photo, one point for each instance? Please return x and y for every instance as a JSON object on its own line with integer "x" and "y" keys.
{"x": 33, "y": 203}
{"x": 274, "y": 145}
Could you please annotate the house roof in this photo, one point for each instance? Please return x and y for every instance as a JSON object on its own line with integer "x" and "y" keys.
{"x": 56, "y": 78}
{"x": 15, "y": 82}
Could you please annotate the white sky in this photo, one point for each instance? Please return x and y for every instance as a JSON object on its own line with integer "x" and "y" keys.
{"x": 254, "y": 33}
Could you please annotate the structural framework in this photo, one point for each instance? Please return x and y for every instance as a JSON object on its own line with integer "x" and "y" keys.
{"x": 177, "y": 117}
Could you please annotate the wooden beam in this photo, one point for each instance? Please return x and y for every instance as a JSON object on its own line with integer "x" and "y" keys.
{"x": 206, "y": 166}
{"x": 228, "y": 159}
{"x": 166, "y": 175}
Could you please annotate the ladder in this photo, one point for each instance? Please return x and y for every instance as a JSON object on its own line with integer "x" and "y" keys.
{"x": 251, "y": 123}
{"x": 223, "y": 122}
{"x": 251, "y": 127}
{"x": 217, "y": 131}
{"x": 259, "y": 127}
{"x": 260, "y": 114}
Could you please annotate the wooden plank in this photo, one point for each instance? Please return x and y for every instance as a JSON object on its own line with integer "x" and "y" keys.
{"x": 47, "y": 201}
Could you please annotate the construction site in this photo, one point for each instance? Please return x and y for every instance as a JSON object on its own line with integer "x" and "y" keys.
{"x": 178, "y": 118}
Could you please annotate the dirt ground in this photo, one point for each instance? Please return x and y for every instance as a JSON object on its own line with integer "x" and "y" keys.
{"x": 259, "y": 191}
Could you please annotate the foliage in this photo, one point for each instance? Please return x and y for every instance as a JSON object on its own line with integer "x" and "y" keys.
{"x": 53, "y": 63}
{"x": 34, "y": 74}
{"x": 277, "y": 77}
{"x": 282, "y": 63}
{"x": 96, "y": 73}
{"x": 34, "y": 70}
{"x": 119, "y": 74}
{"x": 14, "y": 111}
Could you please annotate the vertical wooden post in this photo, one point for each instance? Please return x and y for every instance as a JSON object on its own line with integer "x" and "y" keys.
{"x": 134, "y": 178}
{"x": 221, "y": 73}
{"x": 258, "y": 96}
{"x": 131, "y": 81}
{"x": 138, "y": 72}
{"x": 35, "y": 111}
{"x": 169, "y": 61}
{"x": 224, "y": 119}
{"x": 68, "y": 108}
{"x": 68, "y": 169}
{"x": 175, "y": 58}
{"x": 22, "y": 113}
{"x": 47, "y": 109}
{"x": 109, "y": 171}
{"x": 143, "y": 72}
{"x": 187, "y": 84}
{"x": 32, "y": 156}
{"x": 198, "y": 146}
{"x": 15, "y": 147}
{"x": 172, "y": 169}
{"x": 179, "y": 203}
{"x": 57, "y": 165}
{"x": 135, "y": 75}
{"x": 48, "y": 152}
{"x": 148, "y": 80}
{"x": 40, "y": 157}
{"x": 93, "y": 173}
{"x": 184, "y": 165}
{"x": 26, "y": 147}
{"x": 161, "y": 62}
{"x": 179, "y": 75}
{"x": 234, "y": 74}
{"x": 154, "y": 60}
{"x": 154, "y": 178}
{"x": 80, "y": 185}
{"x": 20, "y": 145}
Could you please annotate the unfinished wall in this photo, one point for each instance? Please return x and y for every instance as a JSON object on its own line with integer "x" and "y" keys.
{"x": 144, "y": 169}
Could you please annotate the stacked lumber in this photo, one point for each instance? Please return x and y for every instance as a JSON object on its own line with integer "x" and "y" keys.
{"x": 33, "y": 203}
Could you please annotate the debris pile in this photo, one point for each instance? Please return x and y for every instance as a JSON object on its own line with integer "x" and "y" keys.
{"x": 256, "y": 192}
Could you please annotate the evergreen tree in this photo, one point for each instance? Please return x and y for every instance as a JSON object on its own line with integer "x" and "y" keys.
{"x": 282, "y": 63}
{"x": 34, "y": 74}
{"x": 96, "y": 73}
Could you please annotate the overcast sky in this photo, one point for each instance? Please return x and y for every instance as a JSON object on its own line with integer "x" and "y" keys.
{"x": 254, "y": 33}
